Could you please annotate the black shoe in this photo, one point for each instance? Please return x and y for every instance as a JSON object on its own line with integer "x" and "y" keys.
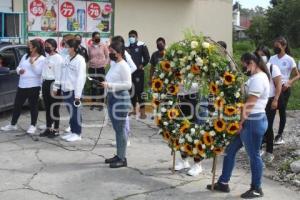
{"x": 52, "y": 134}
{"x": 92, "y": 107}
{"x": 119, "y": 163}
{"x": 111, "y": 160}
{"x": 46, "y": 133}
{"x": 253, "y": 193}
{"x": 219, "y": 187}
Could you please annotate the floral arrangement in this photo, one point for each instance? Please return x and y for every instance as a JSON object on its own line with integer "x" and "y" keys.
{"x": 197, "y": 59}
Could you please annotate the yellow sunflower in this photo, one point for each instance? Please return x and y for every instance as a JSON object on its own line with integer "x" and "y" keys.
{"x": 208, "y": 139}
{"x": 218, "y": 150}
{"x": 230, "y": 110}
{"x": 233, "y": 128}
{"x": 229, "y": 78}
{"x": 213, "y": 88}
{"x": 155, "y": 102}
{"x": 166, "y": 135}
{"x": 157, "y": 85}
{"x": 176, "y": 144}
{"x": 173, "y": 89}
{"x": 157, "y": 120}
{"x": 184, "y": 128}
{"x": 219, "y": 103}
{"x": 188, "y": 149}
{"x": 173, "y": 113}
{"x": 199, "y": 148}
{"x": 219, "y": 125}
{"x": 166, "y": 66}
{"x": 195, "y": 69}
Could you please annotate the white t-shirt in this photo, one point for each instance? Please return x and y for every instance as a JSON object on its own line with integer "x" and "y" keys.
{"x": 258, "y": 85}
{"x": 275, "y": 73}
{"x": 129, "y": 62}
{"x": 286, "y": 64}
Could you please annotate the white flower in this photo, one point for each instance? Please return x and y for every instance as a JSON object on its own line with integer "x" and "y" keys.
{"x": 195, "y": 151}
{"x": 193, "y": 53}
{"x": 203, "y": 146}
{"x": 205, "y": 68}
{"x": 214, "y": 64}
{"x": 179, "y": 52}
{"x": 166, "y": 123}
{"x": 218, "y": 82}
{"x": 163, "y": 96}
{"x": 212, "y": 147}
{"x": 182, "y": 148}
{"x": 163, "y": 109}
{"x": 155, "y": 95}
{"x": 205, "y": 45}
{"x": 199, "y": 61}
{"x": 181, "y": 140}
{"x": 196, "y": 141}
{"x": 174, "y": 131}
{"x": 162, "y": 75}
{"x": 221, "y": 94}
{"x": 182, "y": 71}
{"x": 172, "y": 64}
{"x": 178, "y": 125}
{"x": 189, "y": 57}
{"x": 237, "y": 95}
{"x": 166, "y": 81}
{"x": 194, "y": 44}
{"x": 193, "y": 130}
{"x": 188, "y": 67}
{"x": 170, "y": 103}
{"x": 190, "y": 139}
{"x": 190, "y": 75}
{"x": 202, "y": 132}
{"x": 212, "y": 133}
{"x": 187, "y": 136}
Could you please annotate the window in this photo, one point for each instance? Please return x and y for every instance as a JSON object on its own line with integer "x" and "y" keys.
{"x": 9, "y": 58}
{"x": 22, "y": 51}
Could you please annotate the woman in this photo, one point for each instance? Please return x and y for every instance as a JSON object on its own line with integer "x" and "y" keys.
{"x": 72, "y": 83}
{"x": 51, "y": 76}
{"x": 98, "y": 60}
{"x": 253, "y": 126}
{"x": 30, "y": 70}
{"x": 275, "y": 90}
{"x": 118, "y": 82}
{"x": 287, "y": 66}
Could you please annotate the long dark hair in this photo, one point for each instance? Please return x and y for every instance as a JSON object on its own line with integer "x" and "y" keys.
{"x": 72, "y": 43}
{"x": 53, "y": 43}
{"x": 265, "y": 50}
{"x": 118, "y": 46}
{"x": 37, "y": 43}
{"x": 247, "y": 57}
{"x": 281, "y": 40}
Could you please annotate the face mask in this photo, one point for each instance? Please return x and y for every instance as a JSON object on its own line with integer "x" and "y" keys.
{"x": 160, "y": 47}
{"x": 132, "y": 40}
{"x": 113, "y": 57}
{"x": 246, "y": 72}
{"x": 97, "y": 40}
{"x": 265, "y": 59}
{"x": 48, "y": 50}
{"x": 277, "y": 50}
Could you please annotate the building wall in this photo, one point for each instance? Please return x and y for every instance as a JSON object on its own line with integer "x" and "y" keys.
{"x": 5, "y": 6}
{"x": 170, "y": 18}
{"x": 18, "y": 5}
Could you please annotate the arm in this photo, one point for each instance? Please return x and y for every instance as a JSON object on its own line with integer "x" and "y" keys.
{"x": 146, "y": 56}
{"x": 57, "y": 73}
{"x": 250, "y": 103}
{"x": 81, "y": 69}
{"x": 278, "y": 86}
{"x": 125, "y": 79}
{"x": 295, "y": 75}
{"x": 106, "y": 54}
{"x": 130, "y": 62}
{"x": 19, "y": 69}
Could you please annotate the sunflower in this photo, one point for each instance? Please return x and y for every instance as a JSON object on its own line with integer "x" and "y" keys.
{"x": 184, "y": 128}
{"x": 157, "y": 85}
{"x": 173, "y": 113}
{"x": 176, "y": 144}
{"x": 155, "y": 102}
{"x": 166, "y": 135}
{"x": 188, "y": 149}
{"x": 195, "y": 69}
{"x": 229, "y": 78}
{"x": 230, "y": 110}
{"x": 213, "y": 88}
{"x": 233, "y": 128}
{"x": 199, "y": 148}
{"x": 218, "y": 150}
{"x": 173, "y": 89}
{"x": 219, "y": 103}
{"x": 166, "y": 66}
{"x": 157, "y": 121}
{"x": 208, "y": 139}
{"x": 219, "y": 125}
{"x": 178, "y": 75}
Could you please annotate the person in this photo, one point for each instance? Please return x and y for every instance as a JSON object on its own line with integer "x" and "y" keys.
{"x": 118, "y": 82}
{"x": 82, "y": 50}
{"x": 30, "y": 70}
{"x": 275, "y": 90}
{"x": 222, "y": 44}
{"x": 140, "y": 55}
{"x": 73, "y": 78}
{"x": 157, "y": 55}
{"x": 252, "y": 126}
{"x": 3, "y": 69}
{"x": 288, "y": 69}
{"x": 98, "y": 60}
{"x": 63, "y": 50}
{"x": 51, "y": 76}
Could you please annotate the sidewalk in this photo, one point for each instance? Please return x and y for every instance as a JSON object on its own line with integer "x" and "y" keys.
{"x": 52, "y": 169}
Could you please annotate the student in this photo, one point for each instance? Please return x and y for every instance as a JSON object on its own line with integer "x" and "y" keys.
{"x": 82, "y": 50}
{"x": 253, "y": 126}
{"x": 275, "y": 90}
{"x": 98, "y": 60}
{"x": 157, "y": 55}
{"x": 290, "y": 75}
{"x": 51, "y": 76}
{"x": 73, "y": 78}
{"x": 30, "y": 70}
{"x": 140, "y": 55}
{"x": 118, "y": 82}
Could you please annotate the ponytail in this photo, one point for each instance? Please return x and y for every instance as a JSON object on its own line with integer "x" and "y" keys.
{"x": 256, "y": 58}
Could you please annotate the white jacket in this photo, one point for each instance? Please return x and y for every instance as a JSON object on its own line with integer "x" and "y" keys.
{"x": 73, "y": 75}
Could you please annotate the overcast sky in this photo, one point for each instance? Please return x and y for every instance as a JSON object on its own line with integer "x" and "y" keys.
{"x": 253, "y": 3}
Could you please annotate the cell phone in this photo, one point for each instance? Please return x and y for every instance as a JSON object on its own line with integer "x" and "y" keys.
{"x": 93, "y": 80}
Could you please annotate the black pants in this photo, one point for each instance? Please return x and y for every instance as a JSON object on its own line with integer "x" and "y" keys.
{"x": 96, "y": 91}
{"x": 138, "y": 88}
{"x": 282, "y": 105}
{"x": 52, "y": 105}
{"x": 32, "y": 94}
{"x": 269, "y": 135}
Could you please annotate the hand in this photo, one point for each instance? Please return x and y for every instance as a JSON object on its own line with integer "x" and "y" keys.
{"x": 274, "y": 104}
{"x": 21, "y": 71}
{"x": 286, "y": 86}
{"x": 104, "y": 84}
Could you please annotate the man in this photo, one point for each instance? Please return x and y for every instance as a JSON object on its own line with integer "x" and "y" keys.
{"x": 140, "y": 56}
{"x": 82, "y": 49}
{"x": 157, "y": 55}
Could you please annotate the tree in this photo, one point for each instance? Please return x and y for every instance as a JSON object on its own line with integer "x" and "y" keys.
{"x": 258, "y": 30}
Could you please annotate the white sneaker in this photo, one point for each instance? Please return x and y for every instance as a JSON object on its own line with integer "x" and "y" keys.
{"x": 9, "y": 128}
{"x": 269, "y": 157}
{"x": 195, "y": 170}
{"x": 279, "y": 141}
{"x": 42, "y": 127}
{"x": 261, "y": 153}
{"x": 31, "y": 130}
{"x": 128, "y": 143}
{"x": 74, "y": 137}
{"x": 182, "y": 164}
{"x": 66, "y": 136}
{"x": 68, "y": 130}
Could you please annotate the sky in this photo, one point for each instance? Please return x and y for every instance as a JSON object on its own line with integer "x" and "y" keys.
{"x": 253, "y": 3}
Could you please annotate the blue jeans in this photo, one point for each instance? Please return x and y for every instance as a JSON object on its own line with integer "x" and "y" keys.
{"x": 119, "y": 105}
{"x": 251, "y": 137}
{"x": 75, "y": 118}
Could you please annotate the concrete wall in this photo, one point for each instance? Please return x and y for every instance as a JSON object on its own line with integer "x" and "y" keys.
{"x": 18, "y": 5}
{"x": 170, "y": 18}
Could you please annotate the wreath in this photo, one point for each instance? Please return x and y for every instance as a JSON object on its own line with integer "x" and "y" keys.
{"x": 197, "y": 59}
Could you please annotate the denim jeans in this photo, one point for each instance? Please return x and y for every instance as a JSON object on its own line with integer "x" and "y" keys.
{"x": 75, "y": 114}
{"x": 118, "y": 107}
{"x": 251, "y": 137}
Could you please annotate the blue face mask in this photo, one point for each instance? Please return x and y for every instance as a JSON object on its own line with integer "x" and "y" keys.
{"x": 132, "y": 40}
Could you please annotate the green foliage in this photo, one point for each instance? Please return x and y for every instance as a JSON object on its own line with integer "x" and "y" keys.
{"x": 258, "y": 29}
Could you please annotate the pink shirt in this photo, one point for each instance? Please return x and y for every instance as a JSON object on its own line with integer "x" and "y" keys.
{"x": 98, "y": 56}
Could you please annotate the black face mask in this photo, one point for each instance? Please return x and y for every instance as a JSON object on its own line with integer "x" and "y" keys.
{"x": 113, "y": 57}
{"x": 97, "y": 40}
{"x": 160, "y": 47}
{"x": 48, "y": 50}
{"x": 247, "y": 73}
{"x": 277, "y": 50}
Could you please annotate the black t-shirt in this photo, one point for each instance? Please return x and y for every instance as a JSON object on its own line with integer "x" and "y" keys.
{"x": 155, "y": 58}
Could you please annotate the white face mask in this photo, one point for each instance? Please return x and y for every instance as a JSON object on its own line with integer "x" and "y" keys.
{"x": 265, "y": 59}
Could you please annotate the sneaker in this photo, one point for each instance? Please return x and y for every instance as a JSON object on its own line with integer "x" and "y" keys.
{"x": 42, "y": 127}
{"x": 66, "y": 136}
{"x": 128, "y": 143}
{"x": 31, "y": 130}
{"x": 195, "y": 170}
{"x": 53, "y": 134}
{"x": 111, "y": 160}
{"x": 182, "y": 164}
{"x": 219, "y": 187}
{"x": 68, "y": 130}
{"x": 278, "y": 140}
{"x": 119, "y": 163}
{"x": 9, "y": 128}
{"x": 269, "y": 157}
{"x": 45, "y": 133}
{"x": 253, "y": 193}
{"x": 73, "y": 138}
{"x": 261, "y": 153}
